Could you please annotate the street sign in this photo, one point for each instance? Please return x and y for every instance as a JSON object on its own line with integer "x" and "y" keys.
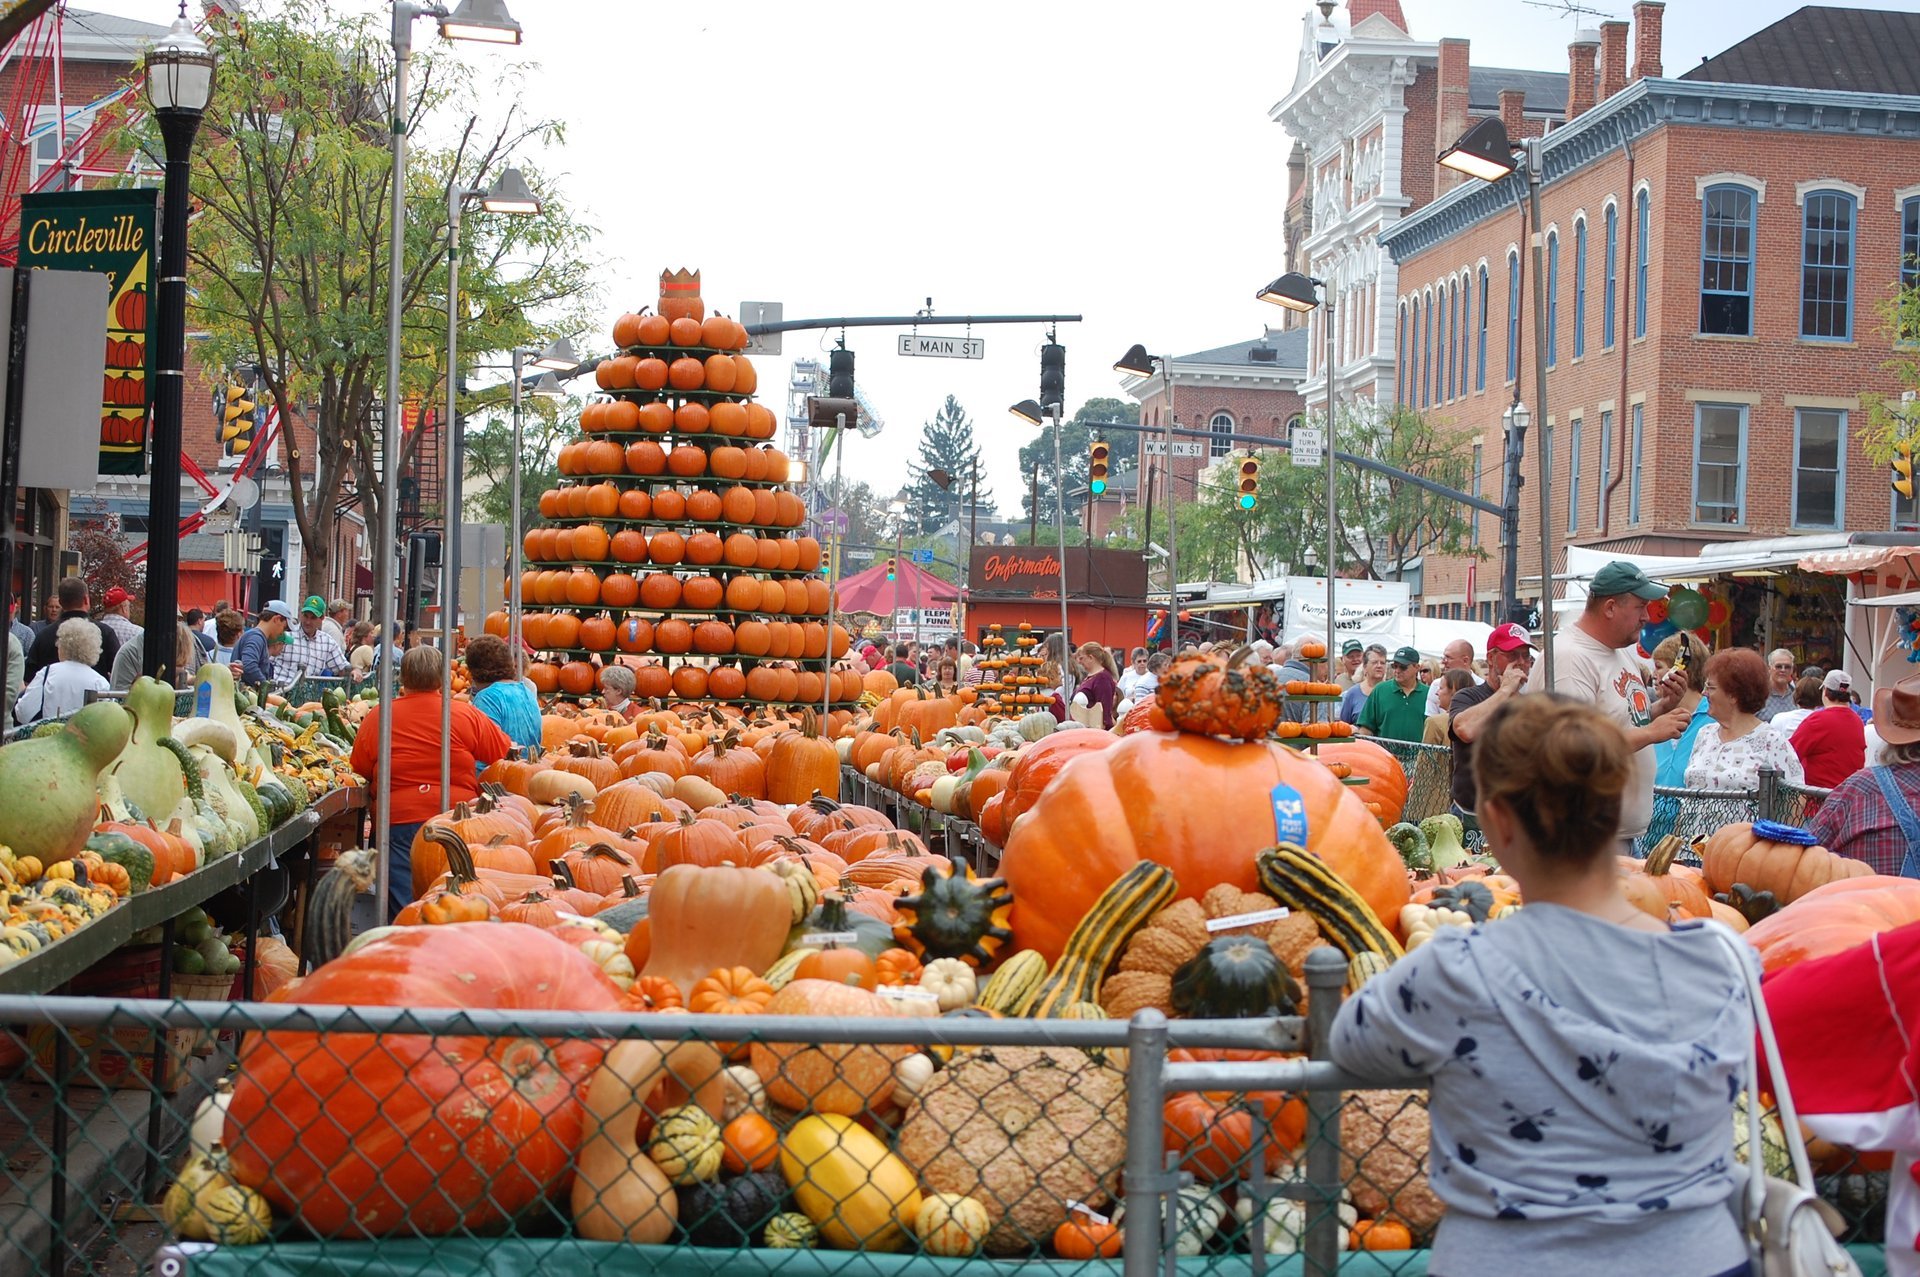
{"x": 943, "y": 347}
{"x": 763, "y": 313}
{"x": 860, "y": 556}
{"x": 1181, "y": 448}
{"x": 1309, "y": 446}
{"x": 923, "y": 557}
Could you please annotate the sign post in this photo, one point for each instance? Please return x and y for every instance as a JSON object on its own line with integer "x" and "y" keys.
{"x": 1309, "y": 447}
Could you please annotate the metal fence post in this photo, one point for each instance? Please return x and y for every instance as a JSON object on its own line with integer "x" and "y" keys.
{"x": 1767, "y": 800}
{"x": 1326, "y": 973}
{"x": 1146, "y": 1057}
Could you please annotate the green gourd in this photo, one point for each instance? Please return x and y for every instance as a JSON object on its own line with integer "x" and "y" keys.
{"x": 119, "y": 849}
{"x": 48, "y": 786}
{"x": 1234, "y": 977}
{"x": 148, "y": 773}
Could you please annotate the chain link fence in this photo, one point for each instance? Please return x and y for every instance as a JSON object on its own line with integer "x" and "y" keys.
{"x": 376, "y": 1140}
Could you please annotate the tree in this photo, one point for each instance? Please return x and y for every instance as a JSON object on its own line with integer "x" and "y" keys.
{"x": 289, "y": 254}
{"x": 101, "y": 543}
{"x": 946, "y": 443}
{"x": 1036, "y": 455}
{"x": 1889, "y": 420}
{"x": 1385, "y": 523}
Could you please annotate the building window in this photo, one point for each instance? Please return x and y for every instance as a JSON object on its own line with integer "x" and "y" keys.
{"x": 1426, "y": 355}
{"x": 1513, "y": 316}
{"x": 1819, "y": 467}
{"x": 1480, "y": 342}
{"x": 1719, "y": 463}
{"x": 1466, "y": 331}
{"x": 1573, "y": 477}
{"x": 1579, "y": 289}
{"x": 1553, "y": 299}
{"x": 1726, "y": 261}
{"x": 1606, "y": 471}
{"x": 1643, "y": 224}
{"x": 1413, "y": 358}
{"x": 1473, "y": 514}
{"x": 1400, "y": 359}
{"x": 1910, "y": 264}
{"x": 1442, "y": 317}
{"x": 1222, "y": 427}
{"x": 48, "y": 175}
{"x": 1607, "y": 311}
{"x": 1633, "y": 466}
{"x": 1826, "y": 267}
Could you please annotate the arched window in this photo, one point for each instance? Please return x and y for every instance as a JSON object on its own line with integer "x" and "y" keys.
{"x": 1400, "y": 362}
{"x": 1726, "y": 261}
{"x": 1579, "y": 288}
{"x": 1608, "y": 312}
{"x": 1221, "y": 426}
{"x": 1441, "y": 319}
{"x": 1826, "y": 267}
{"x": 1513, "y": 316}
{"x": 1643, "y": 229}
{"x": 1553, "y": 298}
{"x": 1480, "y": 342}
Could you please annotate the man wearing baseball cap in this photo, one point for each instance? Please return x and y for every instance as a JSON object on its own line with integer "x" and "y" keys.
{"x": 1397, "y": 709}
{"x": 312, "y": 650}
{"x": 253, "y": 651}
{"x": 117, "y": 615}
{"x": 1594, "y": 661}
{"x": 1510, "y": 655}
{"x": 1353, "y": 654}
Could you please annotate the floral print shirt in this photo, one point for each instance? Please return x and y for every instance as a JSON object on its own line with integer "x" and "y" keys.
{"x": 1735, "y": 764}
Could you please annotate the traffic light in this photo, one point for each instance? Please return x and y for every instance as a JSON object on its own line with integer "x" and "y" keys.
{"x": 1097, "y": 467}
{"x": 840, "y": 373}
{"x": 237, "y": 420}
{"x": 890, "y": 573}
{"x": 1249, "y": 482}
{"x": 1053, "y": 375}
{"x": 1903, "y": 481}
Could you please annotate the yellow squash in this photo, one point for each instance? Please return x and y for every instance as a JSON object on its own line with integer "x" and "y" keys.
{"x": 860, "y": 1195}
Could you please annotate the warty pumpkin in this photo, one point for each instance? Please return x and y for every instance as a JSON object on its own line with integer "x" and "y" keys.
{"x": 842, "y": 1077}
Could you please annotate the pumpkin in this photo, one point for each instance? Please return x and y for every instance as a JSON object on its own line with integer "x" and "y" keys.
{"x": 826, "y": 1077}
{"x": 791, "y": 1231}
{"x": 1086, "y": 1237}
{"x": 505, "y": 1111}
{"x": 626, "y": 803}
{"x": 1234, "y": 977}
{"x": 749, "y": 1143}
{"x": 1735, "y": 853}
{"x": 802, "y": 765}
{"x": 1234, "y": 698}
{"x": 1833, "y": 918}
{"x": 731, "y": 1212}
{"x": 897, "y": 967}
{"x": 1381, "y": 1234}
{"x": 1201, "y": 807}
{"x": 686, "y": 1144}
{"x": 1212, "y": 1132}
{"x": 730, "y": 991}
{"x": 951, "y": 1224}
{"x": 859, "y": 1195}
{"x": 1657, "y": 885}
{"x": 1386, "y": 786}
{"x": 705, "y": 917}
{"x": 620, "y": 1193}
{"x": 694, "y": 841}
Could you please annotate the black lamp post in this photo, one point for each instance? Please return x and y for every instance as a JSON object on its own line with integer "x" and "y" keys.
{"x": 179, "y": 86}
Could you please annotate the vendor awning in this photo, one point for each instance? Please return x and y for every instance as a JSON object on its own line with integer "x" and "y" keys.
{"x": 1861, "y": 558}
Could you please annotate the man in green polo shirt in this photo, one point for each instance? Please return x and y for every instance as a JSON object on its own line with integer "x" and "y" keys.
{"x": 1397, "y": 709}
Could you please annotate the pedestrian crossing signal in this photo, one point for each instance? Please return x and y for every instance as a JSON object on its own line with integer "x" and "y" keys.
{"x": 1903, "y": 482}
{"x": 1097, "y": 468}
{"x": 1249, "y": 482}
{"x": 237, "y": 420}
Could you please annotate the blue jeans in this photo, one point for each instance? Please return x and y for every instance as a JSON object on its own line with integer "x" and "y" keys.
{"x": 400, "y": 865}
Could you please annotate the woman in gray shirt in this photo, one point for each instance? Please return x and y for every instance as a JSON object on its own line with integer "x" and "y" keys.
{"x": 1585, "y": 1056}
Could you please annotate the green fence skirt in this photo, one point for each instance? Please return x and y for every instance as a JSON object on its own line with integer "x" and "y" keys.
{"x": 514, "y": 1257}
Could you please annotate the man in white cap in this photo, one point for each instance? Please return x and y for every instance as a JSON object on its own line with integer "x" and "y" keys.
{"x": 1510, "y": 655}
{"x": 253, "y": 653}
{"x": 1594, "y": 662}
{"x": 1832, "y": 741}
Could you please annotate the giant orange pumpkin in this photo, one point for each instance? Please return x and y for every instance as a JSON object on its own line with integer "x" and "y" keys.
{"x": 354, "y": 1135}
{"x": 1835, "y": 917}
{"x": 1386, "y": 779}
{"x": 1202, "y": 807}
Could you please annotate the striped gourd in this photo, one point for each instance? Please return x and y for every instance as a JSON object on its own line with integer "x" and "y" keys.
{"x": 780, "y": 973}
{"x": 1300, "y": 881}
{"x": 1363, "y": 968}
{"x": 1127, "y": 905}
{"x": 1083, "y": 1011}
{"x": 1012, "y": 987}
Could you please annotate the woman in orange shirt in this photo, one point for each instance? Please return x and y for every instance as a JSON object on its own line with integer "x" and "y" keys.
{"x": 477, "y": 741}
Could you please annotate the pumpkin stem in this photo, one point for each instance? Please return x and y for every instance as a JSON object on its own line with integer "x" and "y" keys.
{"x": 563, "y": 876}
{"x": 1660, "y": 859}
{"x": 632, "y": 888}
{"x": 460, "y": 867}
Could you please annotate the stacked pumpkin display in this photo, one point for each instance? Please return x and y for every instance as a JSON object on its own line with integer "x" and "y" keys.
{"x": 672, "y": 543}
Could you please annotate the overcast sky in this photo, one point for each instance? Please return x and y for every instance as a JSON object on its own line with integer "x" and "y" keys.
{"x": 1050, "y": 156}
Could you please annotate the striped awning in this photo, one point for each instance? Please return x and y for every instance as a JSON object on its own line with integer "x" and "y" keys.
{"x": 1860, "y": 558}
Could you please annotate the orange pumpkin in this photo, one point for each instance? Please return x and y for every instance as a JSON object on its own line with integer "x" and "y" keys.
{"x": 749, "y": 1143}
{"x": 827, "y": 1078}
{"x": 1734, "y": 854}
{"x": 1835, "y": 917}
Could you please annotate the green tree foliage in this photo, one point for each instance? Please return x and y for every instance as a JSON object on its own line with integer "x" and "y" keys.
{"x": 289, "y": 253}
{"x": 1036, "y": 455}
{"x": 866, "y": 512}
{"x": 545, "y": 427}
{"x": 1889, "y": 421}
{"x": 946, "y": 443}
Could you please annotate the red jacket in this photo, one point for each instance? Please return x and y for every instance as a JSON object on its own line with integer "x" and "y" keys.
{"x": 477, "y": 741}
{"x": 1832, "y": 745}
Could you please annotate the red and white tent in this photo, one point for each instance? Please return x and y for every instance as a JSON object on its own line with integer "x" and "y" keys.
{"x": 913, "y": 587}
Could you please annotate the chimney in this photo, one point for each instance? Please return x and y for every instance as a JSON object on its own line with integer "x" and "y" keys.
{"x": 1613, "y": 58}
{"x": 1450, "y": 108}
{"x": 1513, "y": 110}
{"x": 1581, "y": 55}
{"x": 1647, "y": 15}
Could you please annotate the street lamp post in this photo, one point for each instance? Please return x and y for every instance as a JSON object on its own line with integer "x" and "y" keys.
{"x": 509, "y": 195}
{"x": 1296, "y": 292}
{"x": 486, "y": 21}
{"x": 1137, "y": 362}
{"x": 179, "y": 76}
{"x": 1487, "y": 153}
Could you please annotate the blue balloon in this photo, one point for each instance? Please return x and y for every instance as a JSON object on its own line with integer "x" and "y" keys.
{"x": 1652, "y": 635}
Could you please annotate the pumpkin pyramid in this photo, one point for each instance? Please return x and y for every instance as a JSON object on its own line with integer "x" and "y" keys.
{"x": 673, "y": 543}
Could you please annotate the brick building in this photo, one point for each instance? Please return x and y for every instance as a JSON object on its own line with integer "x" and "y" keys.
{"x": 98, "y": 56}
{"x": 1717, "y": 248}
{"x": 1369, "y": 108}
{"x": 1250, "y": 388}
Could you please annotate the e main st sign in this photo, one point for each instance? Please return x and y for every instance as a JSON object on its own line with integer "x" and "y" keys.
{"x": 943, "y": 347}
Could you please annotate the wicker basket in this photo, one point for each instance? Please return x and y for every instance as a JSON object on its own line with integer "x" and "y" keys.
{"x": 203, "y": 988}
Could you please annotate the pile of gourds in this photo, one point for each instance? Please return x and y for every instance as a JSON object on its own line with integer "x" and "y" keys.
{"x": 670, "y": 544}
